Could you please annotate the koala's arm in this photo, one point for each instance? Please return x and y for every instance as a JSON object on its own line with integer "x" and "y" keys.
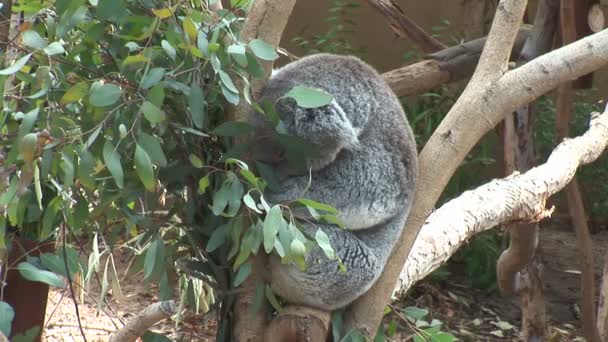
{"x": 368, "y": 186}
{"x": 322, "y": 285}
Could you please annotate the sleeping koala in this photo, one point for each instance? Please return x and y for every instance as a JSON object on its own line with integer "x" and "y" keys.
{"x": 365, "y": 166}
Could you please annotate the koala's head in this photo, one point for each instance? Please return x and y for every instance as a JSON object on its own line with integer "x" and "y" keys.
{"x": 326, "y": 129}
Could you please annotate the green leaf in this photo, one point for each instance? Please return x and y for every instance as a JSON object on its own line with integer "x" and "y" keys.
{"x": 6, "y": 318}
{"x": 203, "y": 184}
{"x": 217, "y": 238}
{"x": 196, "y": 161}
{"x": 49, "y": 217}
{"x": 190, "y": 29}
{"x": 20, "y": 63}
{"x": 196, "y": 102}
{"x": 154, "y": 258}
{"x": 232, "y": 97}
{"x": 152, "y": 113}
{"x": 272, "y": 299}
{"x": 86, "y": 168}
{"x": 227, "y": 81}
{"x": 152, "y": 78}
{"x": 37, "y": 186}
{"x": 272, "y": 223}
{"x": 74, "y": 94}
{"x": 250, "y": 203}
{"x": 242, "y": 274}
{"x": 112, "y": 160}
{"x": 151, "y": 336}
{"x": 263, "y": 50}
{"x": 112, "y": 10}
{"x": 67, "y": 166}
{"x": 415, "y": 313}
{"x": 323, "y": 242}
{"x": 32, "y": 39}
{"x": 70, "y": 19}
{"x": 91, "y": 139}
{"x": 169, "y": 49}
{"x": 153, "y": 148}
{"x": 318, "y": 206}
{"x": 232, "y": 128}
{"x": 102, "y": 95}
{"x": 29, "y": 335}
{"x": 307, "y": 97}
{"x": 156, "y": 95}
{"x": 32, "y": 273}
{"x": 143, "y": 168}
{"x": 55, "y": 48}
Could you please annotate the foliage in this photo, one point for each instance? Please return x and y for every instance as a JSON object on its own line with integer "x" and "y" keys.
{"x": 114, "y": 128}
{"x": 340, "y": 26}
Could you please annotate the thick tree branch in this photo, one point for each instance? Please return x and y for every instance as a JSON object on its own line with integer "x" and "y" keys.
{"x": 443, "y": 153}
{"x": 519, "y": 197}
{"x": 518, "y": 268}
{"x": 485, "y": 101}
{"x": 450, "y": 65}
{"x": 144, "y": 320}
{"x": 405, "y": 27}
{"x": 575, "y": 202}
{"x": 266, "y": 20}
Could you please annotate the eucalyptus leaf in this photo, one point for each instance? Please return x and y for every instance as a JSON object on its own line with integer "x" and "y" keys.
{"x": 6, "y": 318}
{"x": 33, "y": 273}
{"x": 112, "y": 161}
{"x": 102, "y": 95}
{"x": 152, "y": 113}
{"x": 307, "y": 97}
{"x": 263, "y": 50}
{"x": 33, "y": 39}
{"x": 13, "y": 68}
{"x": 143, "y": 167}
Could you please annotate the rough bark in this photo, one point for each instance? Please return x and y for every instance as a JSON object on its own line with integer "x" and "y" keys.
{"x": 144, "y": 320}
{"x": 266, "y": 20}
{"x": 602, "y": 311}
{"x": 576, "y": 208}
{"x": 517, "y": 198}
{"x": 450, "y": 65}
{"x": 405, "y": 27}
{"x": 5, "y": 24}
{"x": 298, "y": 323}
{"x": 489, "y": 96}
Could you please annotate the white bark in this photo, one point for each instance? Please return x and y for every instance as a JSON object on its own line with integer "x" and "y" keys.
{"x": 515, "y": 198}
{"x": 144, "y": 320}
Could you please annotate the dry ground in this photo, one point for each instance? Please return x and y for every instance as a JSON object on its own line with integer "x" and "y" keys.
{"x": 470, "y": 314}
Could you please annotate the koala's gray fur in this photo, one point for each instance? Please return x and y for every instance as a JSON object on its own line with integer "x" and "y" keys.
{"x": 366, "y": 168}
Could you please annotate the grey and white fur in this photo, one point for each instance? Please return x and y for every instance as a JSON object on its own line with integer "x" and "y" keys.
{"x": 366, "y": 168}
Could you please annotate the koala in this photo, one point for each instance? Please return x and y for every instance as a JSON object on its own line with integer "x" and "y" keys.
{"x": 365, "y": 166}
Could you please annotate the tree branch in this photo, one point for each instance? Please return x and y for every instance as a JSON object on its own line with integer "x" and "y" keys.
{"x": 442, "y": 154}
{"x": 517, "y": 198}
{"x": 266, "y": 20}
{"x": 144, "y": 320}
{"x": 450, "y": 65}
{"x": 485, "y": 101}
{"x": 405, "y": 27}
{"x": 576, "y": 208}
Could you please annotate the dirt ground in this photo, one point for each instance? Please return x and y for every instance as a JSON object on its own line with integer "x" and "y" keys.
{"x": 470, "y": 314}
